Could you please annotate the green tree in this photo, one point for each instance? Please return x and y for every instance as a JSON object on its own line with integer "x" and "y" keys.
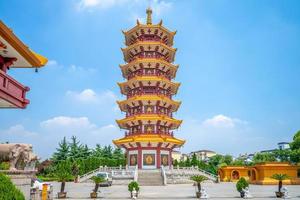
{"x": 295, "y": 156}
{"x": 118, "y": 153}
{"x": 84, "y": 151}
{"x": 63, "y": 173}
{"x": 238, "y": 162}
{"x": 282, "y": 155}
{"x": 264, "y": 157}
{"x": 97, "y": 180}
{"x": 296, "y": 141}
{"x": 241, "y": 184}
{"x": 97, "y": 152}
{"x": 194, "y": 161}
{"x": 216, "y": 160}
{"x": 75, "y": 148}
{"x": 280, "y": 178}
{"x": 187, "y": 162}
{"x": 297, "y": 135}
{"x": 199, "y": 179}
{"x": 227, "y": 159}
{"x": 62, "y": 152}
{"x": 107, "y": 151}
{"x": 175, "y": 162}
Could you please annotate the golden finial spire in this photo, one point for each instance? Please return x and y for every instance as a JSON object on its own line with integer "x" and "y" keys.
{"x": 149, "y": 18}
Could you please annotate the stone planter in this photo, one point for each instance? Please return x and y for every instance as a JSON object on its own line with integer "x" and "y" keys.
{"x": 242, "y": 194}
{"x": 279, "y": 194}
{"x": 136, "y": 195}
{"x": 93, "y": 195}
{"x": 61, "y": 195}
{"x": 198, "y": 195}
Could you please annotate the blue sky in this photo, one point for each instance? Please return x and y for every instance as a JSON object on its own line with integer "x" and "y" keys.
{"x": 239, "y": 69}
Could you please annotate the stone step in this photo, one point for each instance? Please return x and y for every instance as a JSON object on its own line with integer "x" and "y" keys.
{"x": 150, "y": 177}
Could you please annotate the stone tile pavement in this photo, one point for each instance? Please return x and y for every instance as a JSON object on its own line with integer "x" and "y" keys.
{"x": 170, "y": 192}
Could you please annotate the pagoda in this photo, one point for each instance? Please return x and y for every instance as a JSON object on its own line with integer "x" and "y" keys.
{"x": 149, "y": 107}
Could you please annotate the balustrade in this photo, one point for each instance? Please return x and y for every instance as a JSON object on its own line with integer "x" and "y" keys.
{"x": 168, "y": 113}
{"x": 145, "y": 72}
{"x": 149, "y": 54}
{"x": 168, "y": 133}
{"x": 149, "y": 37}
{"x": 137, "y": 92}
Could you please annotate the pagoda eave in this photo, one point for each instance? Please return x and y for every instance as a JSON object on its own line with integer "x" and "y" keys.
{"x": 162, "y": 65}
{"x": 149, "y": 98}
{"x": 136, "y": 119}
{"x": 14, "y": 47}
{"x": 152, "y": 27}
{"x": 149, "y": 138}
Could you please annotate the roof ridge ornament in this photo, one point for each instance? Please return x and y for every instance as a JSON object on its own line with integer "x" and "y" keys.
{"x": 149, "y": 17}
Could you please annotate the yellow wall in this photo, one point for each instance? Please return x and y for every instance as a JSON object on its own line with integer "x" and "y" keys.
{"x": 261, "y": 173}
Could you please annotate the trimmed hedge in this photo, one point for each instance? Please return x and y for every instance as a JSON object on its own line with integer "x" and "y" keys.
{"x": 8, "y": 190}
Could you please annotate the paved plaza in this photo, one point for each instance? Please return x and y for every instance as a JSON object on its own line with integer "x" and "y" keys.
{"x": 182, "y": 191}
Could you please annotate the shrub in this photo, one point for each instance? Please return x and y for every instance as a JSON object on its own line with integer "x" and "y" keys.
{"x": 8, "y": 190}
{"x": 280, "y": 178}
{"x": 133, "y": 185}
{"x": 199, "y": 179}
{"x": 241, "y": 184}
{"x": 97, "y": 180}
{"x": 4, "y": 166}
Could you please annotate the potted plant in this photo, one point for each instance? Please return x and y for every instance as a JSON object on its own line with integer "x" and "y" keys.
{"x": 63, "y": 174}
{"x": 241, "y": 185}
{"x": 133, "y": 186}
{"x": 279, "y": 178}
{"x": 97, "y": 180}
{"x": 198, "y": 180}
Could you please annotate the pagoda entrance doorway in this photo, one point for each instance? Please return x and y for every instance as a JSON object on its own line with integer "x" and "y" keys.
{"x": 149, "y": 159}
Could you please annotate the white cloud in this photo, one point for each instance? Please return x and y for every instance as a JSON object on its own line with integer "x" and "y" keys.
{"x": 67, "y": 122}
{"x": 17, "y": 130}
{"x": 90, "y": 96}
{"x": 222, "y": 134}
{"x": 102, "y": 4}
{"x": 222, "y": 121}
{"x": 52, "y": 131}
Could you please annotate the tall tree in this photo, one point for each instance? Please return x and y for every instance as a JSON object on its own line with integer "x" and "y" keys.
{"x": 296, "y": 141}
{"x": 194, "y": 161}
{"x": 118, "y": 153}
{"x": 62, "y": 151}
{"x": 97, "y": 152}
{"x": 107, "y": 151}
{"x": 84, "y": 151}
{"x": 75, "y": 148}
{"x": 227, "y": 159}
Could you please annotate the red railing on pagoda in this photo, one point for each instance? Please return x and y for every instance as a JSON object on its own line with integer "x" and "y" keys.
{"x": 168, "y": 133}
{"x": 148, "y": 91}
{"x": 150, "y": 37}
{"x": 12, "y": 91}
{"x": 149, "y": 54}
{"x": 169, "y": 114}
{"x": 146, "y": 72}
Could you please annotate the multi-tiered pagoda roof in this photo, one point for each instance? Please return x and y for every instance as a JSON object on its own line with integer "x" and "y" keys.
{"x": 149, "y": 72}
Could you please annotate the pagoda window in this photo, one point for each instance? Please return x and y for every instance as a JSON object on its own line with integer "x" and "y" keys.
{"x": 149, "y": 109}
{"x": 149, "y": 128}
